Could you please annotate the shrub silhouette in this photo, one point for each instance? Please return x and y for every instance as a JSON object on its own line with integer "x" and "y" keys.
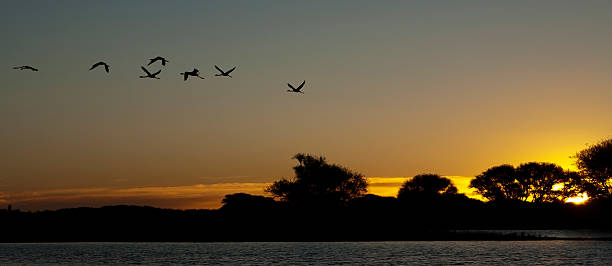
{"x": 318, "y": 182}
{"x": 426, "y": 185}
{"x": 246, "y": 202}
{"x": 595, "y": 164}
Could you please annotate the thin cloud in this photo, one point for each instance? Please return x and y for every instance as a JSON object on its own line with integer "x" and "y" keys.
{"x": 181, "y": 197}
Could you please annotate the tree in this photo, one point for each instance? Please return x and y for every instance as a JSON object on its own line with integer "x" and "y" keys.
{"x": 535, "y": 182}
{"x": 595, "y": 164}
{"x": 573, "y": 185}
{"x": 498, "y": 183}
{"x": 426, "y": 185}
{"x": 318, "y": 182}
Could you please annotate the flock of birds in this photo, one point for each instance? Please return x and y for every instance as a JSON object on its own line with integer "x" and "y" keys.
{"x": 194, "y": 73}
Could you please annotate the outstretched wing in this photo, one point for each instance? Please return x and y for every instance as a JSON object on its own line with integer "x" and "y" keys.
{"x": 301, "y": 85}
{"x": 230, "y": 71}
{"x": 145, "y": 70}
{"x": 106, "y": 67}
{"x": 151, "y": 61}
{"x": 155, "y": 74}
{"x": 290, "y": 86}
{"x": 33, "y": 69}
{"x": 95, "y": 65}
{"x": 219, "y": 69}
{"x": 185, "y": 76}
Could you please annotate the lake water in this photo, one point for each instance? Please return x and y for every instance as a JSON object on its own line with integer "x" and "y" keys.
{"x": 418, "y": 252}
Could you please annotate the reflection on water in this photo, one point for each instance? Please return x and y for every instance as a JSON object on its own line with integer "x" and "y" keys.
{"x": 436, "y": 252}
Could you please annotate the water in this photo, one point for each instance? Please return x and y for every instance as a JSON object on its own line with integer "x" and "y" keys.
{"x": 435, "y": 252}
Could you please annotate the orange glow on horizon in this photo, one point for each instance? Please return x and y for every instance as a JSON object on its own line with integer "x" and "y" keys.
{"x": 198, "y": 196}
{"x": 580, "y": 199}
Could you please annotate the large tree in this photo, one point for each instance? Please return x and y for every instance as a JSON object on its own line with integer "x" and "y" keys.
{"x": 318, "y": 182}
{"x": 595, "y": 164}
{"x": 532, "y": 181}
{"x": 499, "y": 183}
{"x": 426, "y": 185}
{"x": 537, "y": 180}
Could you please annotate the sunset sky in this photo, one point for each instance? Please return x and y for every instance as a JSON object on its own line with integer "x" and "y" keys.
{"x": 393, "y": 89}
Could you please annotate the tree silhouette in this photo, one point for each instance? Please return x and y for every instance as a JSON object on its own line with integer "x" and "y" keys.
{"x": 532, "y": 181}
{"x": 537, "y": 181}
{"x": 595, "y": 163}
{"x": 498, "y": 183}
{"x": 317, "y": 182}
{"x": 573, "y": 185}
{"x": 426, "y": 185}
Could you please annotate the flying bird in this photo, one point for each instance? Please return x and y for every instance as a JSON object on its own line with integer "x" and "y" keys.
{"x": 26, "y": 68}
{"x": 223, "y": 73}
{"x": 106, "y": 67}
{"x": 297, "y": 90}
{"x": 149, "y": 75}
{"x": 194, "y": 73}
{"x": 153, "y": 60}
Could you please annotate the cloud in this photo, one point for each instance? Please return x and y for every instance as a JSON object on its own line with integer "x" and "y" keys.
{"x": 181, "y": 197}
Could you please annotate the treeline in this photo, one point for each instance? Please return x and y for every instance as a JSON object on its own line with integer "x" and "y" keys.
{"x": 328, "y": 202}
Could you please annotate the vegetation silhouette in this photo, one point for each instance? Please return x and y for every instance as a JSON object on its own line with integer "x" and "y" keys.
{"x": 318, "y": 183}
{"x": 328, "y": 202}
{"x": 595, "y": 164}
{"x": 426, "y": 185}
{"x": 533, "y": 182}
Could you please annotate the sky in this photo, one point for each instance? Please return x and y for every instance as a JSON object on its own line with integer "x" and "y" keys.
{"x": 393, "y": 89}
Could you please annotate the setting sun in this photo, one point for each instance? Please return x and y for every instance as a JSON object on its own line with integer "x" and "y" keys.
{"x": 580, "y": 199}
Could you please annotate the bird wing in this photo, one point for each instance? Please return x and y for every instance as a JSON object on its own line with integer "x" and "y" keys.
{"x": 290, "y": 86}
{"x": 33, "y": 69}
{"x": 151, "y": 61}
{"x": 106, "y": 67}
{"x": 95, "y": 65}
{"x": 185, "y": 76}
{"x": 155, "y": 74}
{"x": 219, "y": 69}
{"x": 230, "y": 71}
{"x": 145, "y": 70}
{"x": 301, "y": 85}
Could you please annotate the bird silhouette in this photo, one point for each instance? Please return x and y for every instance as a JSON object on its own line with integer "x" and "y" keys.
{"x": 26, "y": 68}
{"x": 194, "y": 73}
{"x": 106, "y": 67}
{"x": 223, "y": 73}
{"x": 149, "y": 75}
{"x": 153, "y": 60}
{"x": 296, "y": 90}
